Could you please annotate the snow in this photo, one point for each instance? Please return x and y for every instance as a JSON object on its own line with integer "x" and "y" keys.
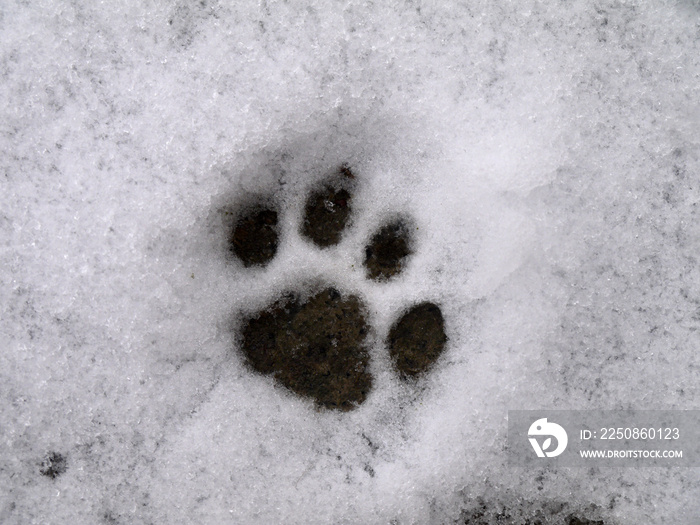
{"x": 547, "y": 153}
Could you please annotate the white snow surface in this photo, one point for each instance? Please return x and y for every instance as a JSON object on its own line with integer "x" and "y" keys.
{"x": 547, "y": 152}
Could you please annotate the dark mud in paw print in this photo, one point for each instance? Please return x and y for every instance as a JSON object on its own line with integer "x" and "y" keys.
{"x": 327, "y": 210}
{"x": 254, "y": 239}
{"x": 315, "y": 347}
{"x": 387, "y": 251}
{"x": 417, "y": 339}
{"x": 315, "y": 342}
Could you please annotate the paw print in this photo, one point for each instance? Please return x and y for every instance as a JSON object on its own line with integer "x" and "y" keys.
{"x": 315, "y": 342}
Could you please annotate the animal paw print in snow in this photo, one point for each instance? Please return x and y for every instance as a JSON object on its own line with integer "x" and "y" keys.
{"x": 315, "y": 343}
